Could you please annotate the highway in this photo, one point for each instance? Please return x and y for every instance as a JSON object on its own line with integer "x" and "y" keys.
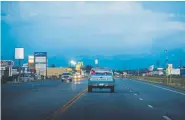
{"x": 54, "y": 100}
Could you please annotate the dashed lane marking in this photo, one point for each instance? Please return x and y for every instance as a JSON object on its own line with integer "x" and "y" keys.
{"x": 150, "y": 106}
{"x": 140, "y": 99}
{"x": 166, "y": 118}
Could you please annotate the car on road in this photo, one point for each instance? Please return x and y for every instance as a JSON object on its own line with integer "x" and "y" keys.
{"x": 117, "y": 75}
{"x": 101, "y": 78}
{"x": 27, "y": 77}
{"x": 66, "y": 76}
{"x": 37, "y": 77}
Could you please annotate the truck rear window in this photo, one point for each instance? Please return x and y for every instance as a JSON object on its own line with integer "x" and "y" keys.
{"x": 100, "y": 73}
{"x": 66, "y": 74}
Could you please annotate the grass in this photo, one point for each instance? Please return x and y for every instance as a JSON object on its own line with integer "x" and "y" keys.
{"x": 176, "y": 82}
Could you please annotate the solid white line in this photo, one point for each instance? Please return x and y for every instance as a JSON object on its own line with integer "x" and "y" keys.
{"x": 166, "y": 89}
{"x": 150, "y": 106}
{"x": 140, "y": 99}
{"x": 166, "y": 117}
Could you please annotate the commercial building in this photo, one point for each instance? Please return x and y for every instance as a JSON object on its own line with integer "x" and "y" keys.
{"x": 55, "y": 71}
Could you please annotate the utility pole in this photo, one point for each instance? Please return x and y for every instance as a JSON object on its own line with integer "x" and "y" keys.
{"x": 19, "y": 69}
{"x": 180, "y": 63}
{"x": 166, "y": 64}
{"x": 46, "y": 67}
{"x": 166, "y": 61}
{"x": 138, "y": 73}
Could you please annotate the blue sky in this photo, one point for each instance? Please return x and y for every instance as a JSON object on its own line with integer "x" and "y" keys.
{"x": 120, "y": 34}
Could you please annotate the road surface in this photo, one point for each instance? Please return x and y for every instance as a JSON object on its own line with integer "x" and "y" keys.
{"x": 54, "y": 100}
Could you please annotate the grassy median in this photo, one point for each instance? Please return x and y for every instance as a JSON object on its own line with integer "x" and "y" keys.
{"x": 173, "y": 81}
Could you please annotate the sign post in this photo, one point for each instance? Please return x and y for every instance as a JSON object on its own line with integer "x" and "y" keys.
{"x": 168, "y": 72}
{"x": 40, "y": 62}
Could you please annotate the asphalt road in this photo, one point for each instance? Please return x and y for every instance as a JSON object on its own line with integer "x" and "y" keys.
{"x": 54, "y": 100}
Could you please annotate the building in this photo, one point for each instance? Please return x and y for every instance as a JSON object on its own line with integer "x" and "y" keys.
{"x": 56, "y": 71}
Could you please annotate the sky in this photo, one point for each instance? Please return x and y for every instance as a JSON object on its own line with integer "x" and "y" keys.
{"x": 120, "y": 34}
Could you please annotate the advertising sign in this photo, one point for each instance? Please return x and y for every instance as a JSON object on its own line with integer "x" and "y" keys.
{"x": 170, "y": 66}
{"x": 79, "y": 65}
{"x": 40, "y": 61}
{"x": 7, "y": 63}
{"x": 31, "y": 59}
{"x": 175, "y": 71}
{"x": 40, "y": 54}
{"x": 19, "y": 53}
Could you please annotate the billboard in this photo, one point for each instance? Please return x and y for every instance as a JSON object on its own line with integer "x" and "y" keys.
{"x": 40, "y": 59}
{"x": 31, "y": 61}
{"x": 170, "y": 66}
{"x": 40, "y": 62}
{"x": 79, "y": 65}
{"x": 6, "y": 63}
{"x": 40, "y": 54}
{"x": 169, "y": 69}
{"x": 19, "y": 53}
{"x": 175, "y": 72}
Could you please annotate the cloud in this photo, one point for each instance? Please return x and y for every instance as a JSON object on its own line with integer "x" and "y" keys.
{"x": 119, "y": 26}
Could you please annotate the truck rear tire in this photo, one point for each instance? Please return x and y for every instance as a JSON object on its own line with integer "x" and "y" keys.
{"x": 89, "y": 89}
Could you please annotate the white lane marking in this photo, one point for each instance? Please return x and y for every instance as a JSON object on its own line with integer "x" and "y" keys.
{"x": 150, "y": 106}
{"x": 140, "y": 99}
{"x": 135, "y": 94}
{"x": 166, "y": 118}
{"x": 166, "y": 89}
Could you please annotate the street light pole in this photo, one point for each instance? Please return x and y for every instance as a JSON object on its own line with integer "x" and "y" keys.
{"x": 46, "y": 67}
{"x": 138, "y": 73}
{"x": 166, "y": 51}
{"x": 19, "y": 68}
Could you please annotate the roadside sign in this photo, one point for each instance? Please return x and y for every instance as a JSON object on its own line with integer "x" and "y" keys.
{"x": 40, "y": 62}
{"x": 7, "y": 63}
{"x": 19, "y": 53}
{"x": 43, "y": 54}
{"x": 170, "y": 66}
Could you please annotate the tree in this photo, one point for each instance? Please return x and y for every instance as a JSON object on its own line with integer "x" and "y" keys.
{"x": 53, "y": 65}
{"x": 88, "y": 68}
